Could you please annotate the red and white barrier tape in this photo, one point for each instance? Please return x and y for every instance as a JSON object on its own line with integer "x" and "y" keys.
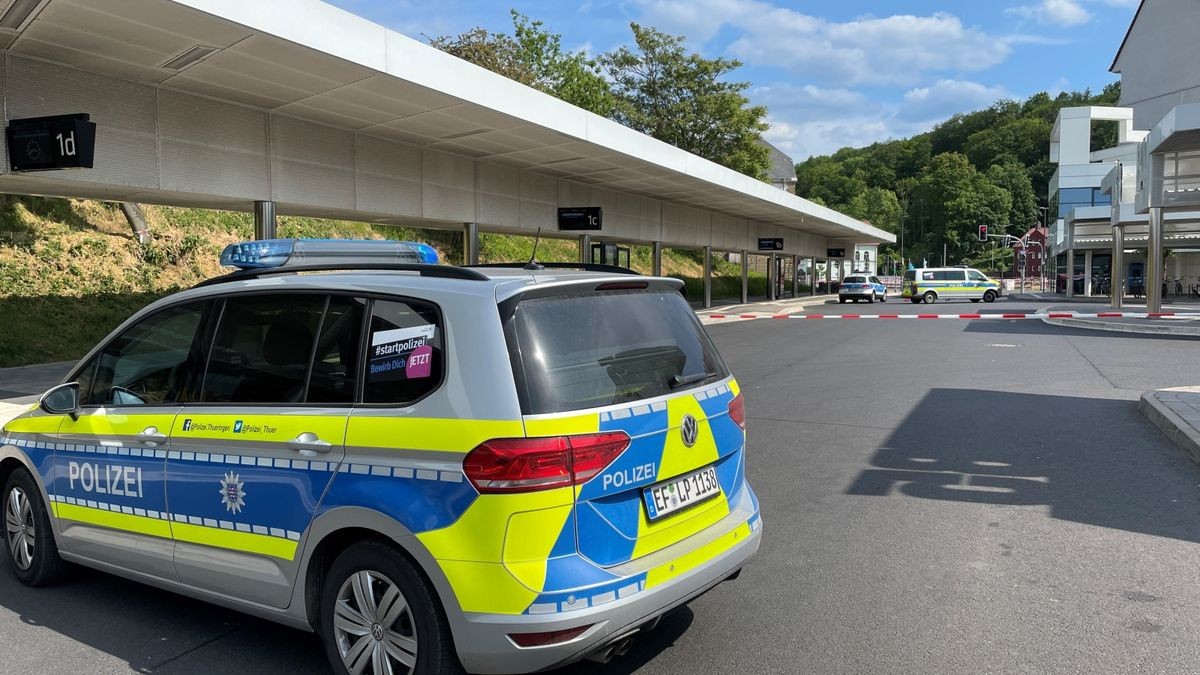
{"x": 1006, "y": 315}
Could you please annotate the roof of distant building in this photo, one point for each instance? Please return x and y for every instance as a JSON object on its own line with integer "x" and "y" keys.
{"x": 782, "y": 168}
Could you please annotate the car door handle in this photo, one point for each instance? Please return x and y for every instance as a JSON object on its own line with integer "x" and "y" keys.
{"x": 308, "y": 442}
{"x": 151, "y": 437}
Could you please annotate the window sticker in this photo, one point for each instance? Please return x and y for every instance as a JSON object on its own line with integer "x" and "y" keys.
{"x": 401, "y": 354}
{"x": 927, "y": 276}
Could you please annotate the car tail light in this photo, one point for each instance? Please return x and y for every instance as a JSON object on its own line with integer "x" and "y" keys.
{"x": 531, "y": 464}
{"x": 737, "y": 411}
{"x": 548, "y": 638}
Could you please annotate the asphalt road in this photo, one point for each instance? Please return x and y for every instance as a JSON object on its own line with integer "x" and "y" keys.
{"x": 939, "y": 497}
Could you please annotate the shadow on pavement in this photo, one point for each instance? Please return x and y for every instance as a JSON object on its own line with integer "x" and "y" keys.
{"x": 1002, "y": 448}
{"x": 1037, "y": 327}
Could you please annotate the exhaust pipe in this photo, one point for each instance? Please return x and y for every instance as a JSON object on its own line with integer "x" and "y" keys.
{"x": 610, "y": 651}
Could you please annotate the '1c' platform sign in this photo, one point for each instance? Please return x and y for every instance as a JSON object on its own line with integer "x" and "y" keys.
{"x": 47, "y": 143}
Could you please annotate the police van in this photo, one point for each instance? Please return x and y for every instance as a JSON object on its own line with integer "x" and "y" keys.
{"x": 931, "y": 284}
{"x": 435, "y": 468}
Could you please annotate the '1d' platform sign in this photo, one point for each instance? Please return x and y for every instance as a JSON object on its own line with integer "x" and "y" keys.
{"x": 49, "y": 143}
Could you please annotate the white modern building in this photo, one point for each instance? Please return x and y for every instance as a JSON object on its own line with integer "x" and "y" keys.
{"x": 1116, "y": 215}
{"x": 298, "y": 107}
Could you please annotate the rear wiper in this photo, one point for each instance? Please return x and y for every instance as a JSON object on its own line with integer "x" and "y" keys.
{"x": 678, "y": 381}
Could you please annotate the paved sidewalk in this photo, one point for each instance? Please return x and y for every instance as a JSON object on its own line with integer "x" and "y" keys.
{"x": 1177, "y": 412}
{"x": 1188, "y": 326}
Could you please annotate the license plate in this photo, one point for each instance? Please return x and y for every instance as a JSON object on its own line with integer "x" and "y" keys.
{"x": 679, "y": 493}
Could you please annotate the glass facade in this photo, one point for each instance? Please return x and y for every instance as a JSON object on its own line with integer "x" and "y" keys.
{"x": 1070, "y": 198}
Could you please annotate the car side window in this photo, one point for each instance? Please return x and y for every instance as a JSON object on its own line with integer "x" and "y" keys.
{"x": 976, "y": 276}
{"x": 405, "y": 356}
{"x": 157, "y": 361}
{"x": 335, "y": 360}
{"x": 263, "y": 349}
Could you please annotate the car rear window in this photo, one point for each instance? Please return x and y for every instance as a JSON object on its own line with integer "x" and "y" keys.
{"x": 587, "y": 351}
{"x": 856, "y": 280}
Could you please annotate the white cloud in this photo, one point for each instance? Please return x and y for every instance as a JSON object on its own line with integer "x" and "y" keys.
{"x": 894, "y": 49}
{"x": 806, "y": 120}
{"x": 1056, "y": 12}
{"x": 946, "y": 97}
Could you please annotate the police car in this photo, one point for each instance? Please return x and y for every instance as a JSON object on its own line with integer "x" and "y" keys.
{"x": 433, "y": 467}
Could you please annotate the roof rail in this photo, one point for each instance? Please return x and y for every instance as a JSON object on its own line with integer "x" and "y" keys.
{"x": 587, "y": 267}
{"x": 425, "y": 270}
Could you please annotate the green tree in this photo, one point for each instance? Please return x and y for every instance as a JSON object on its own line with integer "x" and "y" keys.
{"x": 534, "y": 56}
{"x": 1013, "y": 178}
{"x": 878, "y": 207}
{"x": 950, "y": 201}
{"x": 683, "y": 99}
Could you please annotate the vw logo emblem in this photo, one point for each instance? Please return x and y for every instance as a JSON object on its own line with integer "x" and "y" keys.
{"x": 377, "y": 632}
{"x": 688, "y": 430}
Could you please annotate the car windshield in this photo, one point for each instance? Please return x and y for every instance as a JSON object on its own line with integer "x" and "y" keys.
{"x": 856, "y": 280}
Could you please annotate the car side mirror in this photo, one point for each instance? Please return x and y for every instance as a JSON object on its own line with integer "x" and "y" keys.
{"x": 62, "y": 400}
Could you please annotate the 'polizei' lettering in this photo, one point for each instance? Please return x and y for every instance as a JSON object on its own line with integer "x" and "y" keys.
{"x": 629, "y": 476}
{"x": 111, "y": 479}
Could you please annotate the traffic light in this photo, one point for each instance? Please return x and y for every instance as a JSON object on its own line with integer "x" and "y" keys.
{"x": 1021, "y": 259}
{"x": 983, "y": 233}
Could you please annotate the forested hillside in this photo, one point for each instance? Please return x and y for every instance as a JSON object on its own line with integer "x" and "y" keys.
{"x": 989, "y": 167}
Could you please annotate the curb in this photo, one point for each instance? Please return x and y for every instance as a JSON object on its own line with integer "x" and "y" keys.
{"x": 1175, "y": 428}
{"x": 1112, "y": 327}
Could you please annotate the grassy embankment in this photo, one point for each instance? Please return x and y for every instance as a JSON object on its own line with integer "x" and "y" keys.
{"x": 71, "y": 270}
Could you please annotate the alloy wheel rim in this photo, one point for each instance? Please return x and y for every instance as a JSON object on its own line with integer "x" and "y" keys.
{"x": 373, "y": 626}
{"x": 19, "y": 526}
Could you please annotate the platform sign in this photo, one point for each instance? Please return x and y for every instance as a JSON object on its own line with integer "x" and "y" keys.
{"x": 835, "y": 253}
{"x": 49, "y": 143}
{"x": 770, "y": 243}
{"x": 580, "y": 218}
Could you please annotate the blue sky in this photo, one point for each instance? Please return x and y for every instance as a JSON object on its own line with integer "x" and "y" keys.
{"x": 841, "y": 73}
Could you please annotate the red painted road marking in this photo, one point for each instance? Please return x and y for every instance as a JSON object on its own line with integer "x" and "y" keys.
{"x": 716, "y": 316}
{"x": 970, "y": 316}
{"x": 814, "y": 316}
{"x": 1061, "y": 315}
{"x": 749, "y": 316}
{"x": 1159, "y": 315}
{"x": 928, "y": 316}
{"x": 1013, "y": 316}
{"x": 782, "y": 316}
{"x": 1110, "y": 315}
{"x": 889, "y": 316}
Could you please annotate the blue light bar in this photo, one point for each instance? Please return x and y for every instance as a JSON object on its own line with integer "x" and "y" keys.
{"x": 257, "y": 254}
{"x": 291, "y": 252}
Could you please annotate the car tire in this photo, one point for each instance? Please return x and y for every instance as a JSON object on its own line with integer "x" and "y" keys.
{"x": 974, "y": 299}
{"x": 871, "y": 299}
{"x": 883, "y": 298}
{"x": 841, "y": 301}
{"x": 915, "y": 301}
{"x": 28, "y": 537}
{"x": 929, "y": 298}
{"x": 359, "y": 628}
{"x": 989, "y": 296}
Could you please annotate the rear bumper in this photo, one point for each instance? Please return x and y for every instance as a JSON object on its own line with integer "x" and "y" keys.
{"x": 484, "y": 646}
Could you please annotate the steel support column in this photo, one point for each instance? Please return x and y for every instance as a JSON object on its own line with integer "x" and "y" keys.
{"x": 585, "y": 248}
{"x": 1087, "y": 274}
{"x": 656, "y": 259}
{"x": 795, "y": 277}
{"x": 1071, "y": 273}
{"x": 470, "y": 243}
{"x": 1117, "y": 290}
{"x": 745, "y": 277}
{"x": 812, "y": 276}
{"x": 264, "y": 220}
{"x": 772, "y": 272}
{"x": 707, "y": 277}
{"x": 1154, "y": 262}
